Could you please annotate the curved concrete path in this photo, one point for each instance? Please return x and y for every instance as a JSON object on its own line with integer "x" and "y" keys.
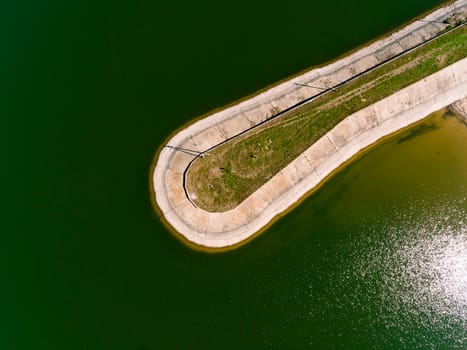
{"x": 358, "y": 131}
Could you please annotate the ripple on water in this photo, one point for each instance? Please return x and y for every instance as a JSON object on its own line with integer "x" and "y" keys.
{"x": 385, "y": 265}
{"x": 416, "y": 266}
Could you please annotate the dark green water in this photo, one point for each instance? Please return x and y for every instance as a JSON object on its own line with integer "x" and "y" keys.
{"x": 89, "y": 90}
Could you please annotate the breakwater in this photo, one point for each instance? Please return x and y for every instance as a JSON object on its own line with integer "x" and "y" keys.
{"x": 358, "y": 131}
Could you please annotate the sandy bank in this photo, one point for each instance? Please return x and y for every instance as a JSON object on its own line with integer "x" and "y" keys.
{"x": 358, "y": 131}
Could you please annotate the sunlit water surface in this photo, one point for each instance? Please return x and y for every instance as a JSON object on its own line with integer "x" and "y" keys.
{"x": 374, "y": 260}
{"x": 388, "y": 268}
{"x": 416, "y": 269}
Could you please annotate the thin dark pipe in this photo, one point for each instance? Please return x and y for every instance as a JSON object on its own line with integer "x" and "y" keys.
{"x": 366, "y": 71}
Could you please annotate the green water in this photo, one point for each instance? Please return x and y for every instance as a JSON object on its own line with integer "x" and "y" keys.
{"x": 89, "y": 90}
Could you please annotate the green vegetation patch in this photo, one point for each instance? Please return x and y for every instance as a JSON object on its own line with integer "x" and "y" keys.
{"x": 234, "y": 170}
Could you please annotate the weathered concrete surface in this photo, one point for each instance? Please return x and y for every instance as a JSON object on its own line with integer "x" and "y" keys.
{"x": 349, "y": 137}
{"x": 460, "y": 108}
{"x": 221, "y": 125}
{"x": 307, "y": 171}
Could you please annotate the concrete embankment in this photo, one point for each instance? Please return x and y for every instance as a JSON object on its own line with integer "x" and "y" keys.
{"x": 355, "y": 133}
{"x": 358, "y": 131}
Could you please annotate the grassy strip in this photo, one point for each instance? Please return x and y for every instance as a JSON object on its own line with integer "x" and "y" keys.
{"x": 236, "y": 169}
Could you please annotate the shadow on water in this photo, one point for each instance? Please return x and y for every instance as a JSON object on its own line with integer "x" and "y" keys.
{"x": 458, "y": 116}
{"x": 422, "y": 129}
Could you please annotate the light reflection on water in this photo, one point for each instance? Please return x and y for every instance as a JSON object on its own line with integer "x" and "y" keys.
{"x": 398, "y": 283}
{"x": 416, "y": 266}
{"x": 382, "y": 258}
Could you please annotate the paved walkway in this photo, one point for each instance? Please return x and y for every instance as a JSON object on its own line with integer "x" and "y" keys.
{"x": 356, "y": 132}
